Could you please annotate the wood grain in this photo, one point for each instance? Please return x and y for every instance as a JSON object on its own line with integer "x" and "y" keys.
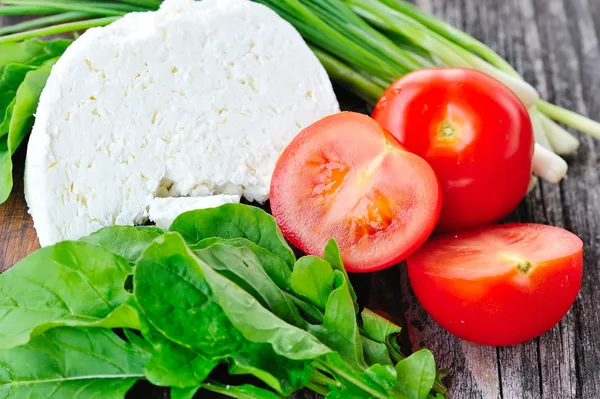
{"x": 554, "y": 44}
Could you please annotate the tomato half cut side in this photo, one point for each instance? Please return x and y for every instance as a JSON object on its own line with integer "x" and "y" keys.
{"x": 498, "y": 285}
{"x": 346, "y": 178}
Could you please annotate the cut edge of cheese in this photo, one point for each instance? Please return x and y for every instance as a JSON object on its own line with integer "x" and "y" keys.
{"x": 163, "y": 211}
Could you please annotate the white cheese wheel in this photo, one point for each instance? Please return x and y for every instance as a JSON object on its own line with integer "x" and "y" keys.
{"x": 163, "y": 211}
{"x": 196, "y": 99}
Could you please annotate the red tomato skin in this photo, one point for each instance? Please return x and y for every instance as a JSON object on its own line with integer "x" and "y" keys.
{"x": 483, "y": 174}
{"x": 285, "y": 186}
{"x": 501, "y": 310}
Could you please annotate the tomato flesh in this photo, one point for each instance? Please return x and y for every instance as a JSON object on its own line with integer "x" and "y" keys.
{"x": 498, "y": 285}
{"x": 473, "y": 131}
{"x": 346, "y": 178}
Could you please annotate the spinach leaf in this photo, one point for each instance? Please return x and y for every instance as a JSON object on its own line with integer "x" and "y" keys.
{"x": 6, "y": 181}
{"x": 26, "y": 101}
{"x": 196, "y": 307}
{"x": 240, "y": 391}
{"x": 356, "y": 383}
{"x": 31, "y": 52}
{"x": 259, "y": 325}
{"x": 340, "y": 331}
{"x": 416, "y": 375}
{"x": 383, "y": 375}
{"x": 71, "y": 363}
{"x": 273, "y": 265}
{"x": 234, "y": 221}
{"x": 312, "y": 278}
{"x": 5, "y": 119}
{"x": 184, "y": 393}
{"x": 10, "y": 80}
{"x": 173, "y": 365}
{"x": 375, "y": 352}
{"x": 177, "y": 301}
{"x": 333, "y": 256}
{"x": 310, "y": 312}
{"x": 279, "y": 372}
{"x": 377, "y": 328}
{"x": 20, "y": 90}
{"x": 241, "y": 266}
{"x": 126, "y": 241}
{"x": 68, "y": 284}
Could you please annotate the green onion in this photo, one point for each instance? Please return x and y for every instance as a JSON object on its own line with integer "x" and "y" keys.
{"x": 42, "y": 21}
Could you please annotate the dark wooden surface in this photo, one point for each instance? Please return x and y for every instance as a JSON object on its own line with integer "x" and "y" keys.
{"x": 555, "y": 46}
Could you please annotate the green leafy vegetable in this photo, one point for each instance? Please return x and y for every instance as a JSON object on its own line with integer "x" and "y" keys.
{"x": 173, "y": 365}
{"x": 312, "y": 278}
{"x": 234, "y": 221}
{"x": 375, "y": 352}
{"x": 240, "y": 391}
{"x": 241, "y": 266}
{"x": 126, "y": 241}
{"x": 25, "y": 103}
{"x": 273, "y": 265}
{"x": 341, "y": 331}
{"x": 68, "y": 284}
{"x": 193, "y": 309}
{"x": 333, "y": 256}
{"x": 416, "y": 375}
{"x": 71, "y": 363}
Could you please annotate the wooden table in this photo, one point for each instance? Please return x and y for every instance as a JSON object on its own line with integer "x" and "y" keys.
{"x": 555, "y": 46}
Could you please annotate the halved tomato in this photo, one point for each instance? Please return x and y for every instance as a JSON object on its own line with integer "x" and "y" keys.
{"x": 346, "y": 178}
{"x": 498, "y": 285}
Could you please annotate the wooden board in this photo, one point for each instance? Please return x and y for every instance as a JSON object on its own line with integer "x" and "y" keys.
{"x": 555, "y": 45}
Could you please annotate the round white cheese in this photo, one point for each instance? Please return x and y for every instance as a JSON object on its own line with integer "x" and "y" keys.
{"x": 196, "y": 99}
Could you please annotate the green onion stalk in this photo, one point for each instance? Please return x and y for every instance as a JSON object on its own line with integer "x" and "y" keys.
{"x": 364, "y": 45}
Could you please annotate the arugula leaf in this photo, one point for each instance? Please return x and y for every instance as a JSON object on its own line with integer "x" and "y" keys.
{"x": 340, "y": 331}
{"x": 234, "y": 221}
{"x": 272, "y": 264}
{"x": 126, "y": 241}
{"x": 416, "y": 375}
{"x": 68, "y": 284}
{"x": 312, "y": 278}
{"x": 241, "y": 266}
{"x": 71, "y": 363}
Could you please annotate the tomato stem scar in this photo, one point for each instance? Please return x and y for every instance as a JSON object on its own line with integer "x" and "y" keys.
{"x": 447, "y": 130}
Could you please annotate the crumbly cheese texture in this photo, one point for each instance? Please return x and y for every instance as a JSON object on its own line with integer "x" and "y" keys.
{"x": 196, "y": 99}
{"x": 163, "y": 211}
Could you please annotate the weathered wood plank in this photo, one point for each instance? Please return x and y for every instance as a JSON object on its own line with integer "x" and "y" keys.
{"x": 554, "y": 45}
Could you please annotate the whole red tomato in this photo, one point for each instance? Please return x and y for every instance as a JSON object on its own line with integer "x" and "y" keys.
{"x": 473, "y": 131}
